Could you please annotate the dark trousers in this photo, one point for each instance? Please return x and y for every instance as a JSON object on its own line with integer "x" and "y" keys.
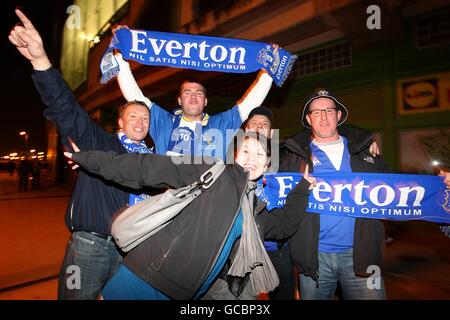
{"x": 282, "y": 263}
{"x": 23, "y": 182}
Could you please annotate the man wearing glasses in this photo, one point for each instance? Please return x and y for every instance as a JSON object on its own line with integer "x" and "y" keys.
{"x": 326, "y": 249}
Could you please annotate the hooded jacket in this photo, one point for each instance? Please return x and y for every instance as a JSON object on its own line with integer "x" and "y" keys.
{"x": 369, "y": 239}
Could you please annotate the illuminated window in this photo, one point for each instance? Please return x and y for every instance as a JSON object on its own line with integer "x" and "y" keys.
{"x": 77, "y": 39}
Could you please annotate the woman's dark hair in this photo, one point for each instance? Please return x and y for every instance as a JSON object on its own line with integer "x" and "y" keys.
{"x": 241, "y": 136}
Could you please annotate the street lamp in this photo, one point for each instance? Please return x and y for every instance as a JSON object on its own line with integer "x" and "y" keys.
{"x": 25, "y": 137}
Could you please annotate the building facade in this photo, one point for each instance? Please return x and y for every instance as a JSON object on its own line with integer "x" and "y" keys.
{"x": 386, "y": 60}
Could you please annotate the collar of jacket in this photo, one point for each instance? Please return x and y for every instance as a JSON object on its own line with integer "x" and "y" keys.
{"x": 259, "y": 206}
{"x": 358, "y": 140}
{"x": 238, "y": 175}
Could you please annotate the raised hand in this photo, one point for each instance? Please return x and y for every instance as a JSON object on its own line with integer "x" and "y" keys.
{"x": 446, "y": 176}
{"x": 374, "y": 150}
{"x": 117, "y": 27}
{"x": 29, "y": 43}
{"x": 311, "y": 180}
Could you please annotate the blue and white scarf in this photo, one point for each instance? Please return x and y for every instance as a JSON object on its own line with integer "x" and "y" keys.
{"x": 365, "y": 195}
{"x": 131, "y": 146}
{"x": 196, "y": 52}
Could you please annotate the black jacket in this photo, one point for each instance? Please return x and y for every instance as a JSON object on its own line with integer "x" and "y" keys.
{"x": 177, "y": 259}
{"x": 94, "y": 200}
{"x": 368, "y": 243}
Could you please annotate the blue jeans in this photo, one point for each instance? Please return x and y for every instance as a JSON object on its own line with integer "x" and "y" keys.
{"x": 88, "y": 264}
{"x": 338, "y": 267}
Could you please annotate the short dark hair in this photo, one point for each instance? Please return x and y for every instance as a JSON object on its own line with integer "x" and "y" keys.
{"x": 123, "y": 107}
{"x": 241, "y": 136}
{"x": 190, "y": 81}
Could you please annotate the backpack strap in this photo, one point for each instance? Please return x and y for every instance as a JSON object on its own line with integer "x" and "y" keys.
{"x": 211, "y": 175}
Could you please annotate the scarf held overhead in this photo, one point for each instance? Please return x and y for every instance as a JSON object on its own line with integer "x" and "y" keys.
{"x": 366, "y": 195}
{"x": 196, "y": 52}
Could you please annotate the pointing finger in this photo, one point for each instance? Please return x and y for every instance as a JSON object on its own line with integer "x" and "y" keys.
{"x": 26, "y": 22}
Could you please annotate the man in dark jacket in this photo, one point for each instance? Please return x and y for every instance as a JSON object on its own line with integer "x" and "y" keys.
{"x": 91, "y": 255}
{"x": 328, "y": 249}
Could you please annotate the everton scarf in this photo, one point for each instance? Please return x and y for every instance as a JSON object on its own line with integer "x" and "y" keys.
{"x": 196, "y": 52}
{"x": 365, "y": 195}
{"x": 131, "y": 146}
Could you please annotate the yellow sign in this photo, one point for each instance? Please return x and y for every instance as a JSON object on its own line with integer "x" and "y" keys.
{"x": 420, "y": 95}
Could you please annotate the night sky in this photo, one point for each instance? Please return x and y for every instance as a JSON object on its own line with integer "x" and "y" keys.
{"x": 21, "y": 108}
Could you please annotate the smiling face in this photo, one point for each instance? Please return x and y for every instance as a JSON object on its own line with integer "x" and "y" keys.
{"x": 252, "y": 157}
{"x": 192, "y": 100}
{"x": 323, "y": 119}
{"x": 134, "y": 122}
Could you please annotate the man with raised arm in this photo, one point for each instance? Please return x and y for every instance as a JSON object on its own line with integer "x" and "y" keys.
{"x": 190, "y": 130}
{"x": 91, "y": 256}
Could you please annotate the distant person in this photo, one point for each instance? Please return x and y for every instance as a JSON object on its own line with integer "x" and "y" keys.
{"x": 11, "y": 166}
{"x": 24, "y": 170}
{"x": 36, "y": 175}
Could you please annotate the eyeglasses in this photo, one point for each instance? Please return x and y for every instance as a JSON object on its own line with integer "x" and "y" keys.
{"x": 318, "y": 112}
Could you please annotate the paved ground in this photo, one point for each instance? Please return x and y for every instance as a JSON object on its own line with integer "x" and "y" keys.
{"x": 417, "y": 261}
{"x": 33, "y": 237}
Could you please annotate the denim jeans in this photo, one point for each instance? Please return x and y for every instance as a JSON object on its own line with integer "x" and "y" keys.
{"x": 338, "y": 267}
{"x": 88, "y": 263}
